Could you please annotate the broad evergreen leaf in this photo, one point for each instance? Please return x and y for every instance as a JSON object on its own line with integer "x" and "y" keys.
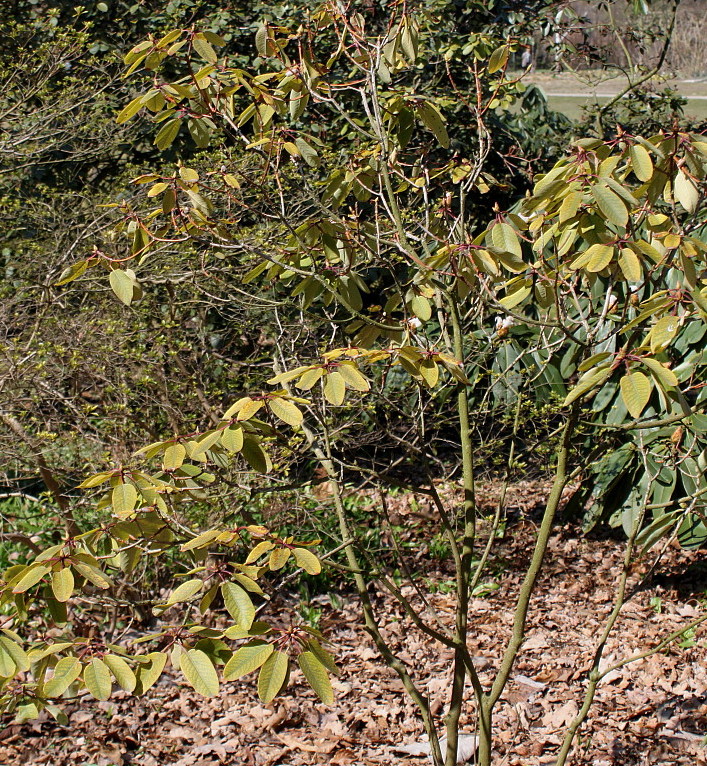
{"x": 238, "y": 604}
{"x": 315, "y": 672}
{"x": 97, "y": 678}
{"x": 18, "y": 654}
{"x": 307, "y": 560}
{"x": 610, "y": 204}
{"x": 199, "y": 672}
{"x": 148, "y": 670}
{"x": 124, "y": 499}
{"x": 433, "y": 121}
{"x": 635, "y": 391}
{"x": 122, "y": 285}
{"x": 286, "y": 411}
{"x": 686, "y": 192}
{"x": 66, "y": 671}
{"x": 273, "y": 676}
{"x": 63, "y": 584}
{"x": 641, "y": 162}
{"x": 590, "y": 380}
{"x": 174, "y": 457}
{"x": 663, "y": 333}
{"x": 665, "y": 376}
{"x": 185, "y": 591}
{"x": 334, "y": 388}
{"x": 247, "y": 659}
{"x": 32, "y": 576}
{"x": 278, "y": 558}
{"x": 122, "y": 672}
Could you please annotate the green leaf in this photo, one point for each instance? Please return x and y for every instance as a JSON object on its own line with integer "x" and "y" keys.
{"x": 238, "y": 604}
{"x": 206, "y": 442}
{"x": 641, "y": 162}
{"x": 286, "y": 411}
{"x": 334, "y": 388}
{"x": 66, "y": 671}
{"x": 185, "y": 591}
{"x": 174, "y": 456}
{"x": 129, "y": 111}
{"x": 70, "y": 273}
{"x": 122, "y": 671}
{"x": 256, "y": 456}
{"x": 7, "y": 665}
{"x": 247, "y": 659}
{"x": 149, "y": 670}
{"x": 124, "y": 499}
{"x": 273, "y": 676}
{"x": 663, "y": 332}
{"x": 92, "y": 573}
{"x": 307, "y": 152}
{"x": 63, "y": 584}
{"x": 635, "y": 391}
{"x": 167, "y": 133}
{"x": 433, "y": 121}
{"x": 317, "y": 676}
{"x": 199, "y": 672}
{"x": 307, "y": 560}
{"x": 201, "y": 540}
{"x": 97, "y": 678}
{"x": 248, "y": 408}
{"x": 497, "y": 61}
{"x": 610, "y": 205}
{"x": 595, "y": 254}
{"x": 570, "y": 205}
{"x": 122, "y": 285}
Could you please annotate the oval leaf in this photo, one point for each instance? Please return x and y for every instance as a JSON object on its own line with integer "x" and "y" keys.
{"x": 273, "y": 676}
{"x": 199, "y": 672}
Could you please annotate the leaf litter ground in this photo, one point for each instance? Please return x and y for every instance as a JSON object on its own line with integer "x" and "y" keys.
{"x": 651, "y": 712}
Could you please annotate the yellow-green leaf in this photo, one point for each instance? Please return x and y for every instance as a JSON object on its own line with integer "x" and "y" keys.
{"x": 66, "y": 671}
{"x": 149, "y": 669}
{"x": 124, "y": 499}
{"x": 97, "y": 678}
{"x": 570, "y": 205}
{"x": 433, "y": 121}
{"x": 7, "y": 666}
{"x": 122, "y": 671}
{"x": 185, "y": 591}
{"x": 247, "y": 659}
{"x": 256, "y": 456}
{"x": 610, "y": 204}
{"x": 309, "y": 378}
{"x": 663, "y": 332}
{"x": 31, "y": 577}
{"x": 665, "y": 376}
{"x": 249, "y": 408}
{"x": 600, "y": 259}
{"x": 307, "y": 560}
{"x": 278, "y": 558}
{"x": 641, "y": 162}
{"x": 335, "y": 388}
{"x": 286, "y": 411}
{"x": 686, "y": 192}
{"x": 590, "y": 380}
{"x": 199, "y": 672}
{"x": 420, "y": 307}
{"x": 429, "y": 371}
{"x": 201, "y": 540}
{"x": 635, "y": 391}
{"x": 504, "y": 238}
{"x": 63, "y": 584}
{"x": 232, "y": 439}
{"x": 238, "y": 604}
{"x": 272, "y": 676}
{"x": 497, "y": 61}
{"x": 18, "y": 654}
{"x": 174, "y": 457}
{"x": 353, "y": 377}
{"x": 630, "y": 265}
{"x": 122, "y": 285}
{"x": 317, "y": 676}
{"x": 594, "y": 253}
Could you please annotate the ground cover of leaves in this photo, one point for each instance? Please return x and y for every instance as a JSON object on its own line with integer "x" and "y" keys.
{"x": 651, "y": 712}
